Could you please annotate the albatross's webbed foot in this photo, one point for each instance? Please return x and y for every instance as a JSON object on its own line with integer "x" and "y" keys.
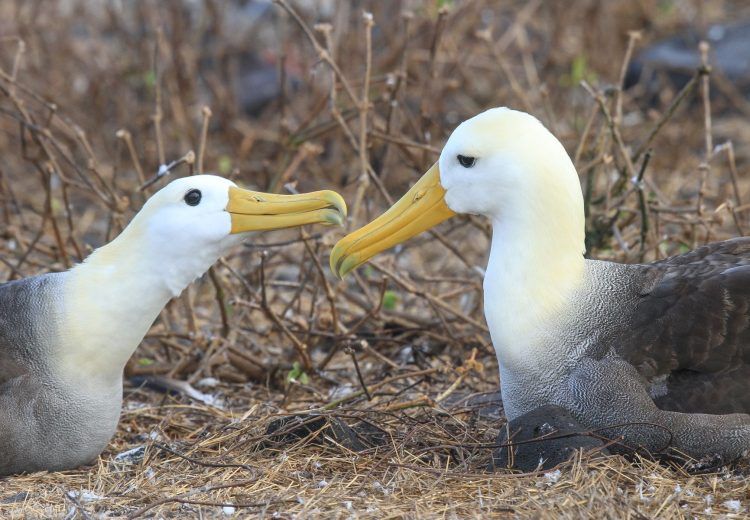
{"x": 542, "y": 439}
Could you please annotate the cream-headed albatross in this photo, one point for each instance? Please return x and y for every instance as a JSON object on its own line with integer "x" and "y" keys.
{"x": 666, "y": 343}
{"x": 65, "y": 337}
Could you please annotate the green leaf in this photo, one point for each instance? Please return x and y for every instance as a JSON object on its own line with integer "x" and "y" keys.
{"x": 225, "y": 165}
{"x": 149, "y": 78}
{"x": 145, "y": 362}
{"x": 294, "y": 372}
{"x": 665, "y": 7}
{"x": 390, "y": 299}
{"x": 297, "y": 374}
{"x": 579, "y": 71}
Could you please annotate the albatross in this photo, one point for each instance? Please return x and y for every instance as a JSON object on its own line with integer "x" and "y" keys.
{"x": 658, "y": 353}
{"x": 65, "y": 337}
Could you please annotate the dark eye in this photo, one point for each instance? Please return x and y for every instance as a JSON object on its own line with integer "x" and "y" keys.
{"x": 466, "y": 161}
{"x": 193, "y": 197}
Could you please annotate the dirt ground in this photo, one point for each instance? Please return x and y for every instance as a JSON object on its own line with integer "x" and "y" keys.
{"x": 390, "y": 374}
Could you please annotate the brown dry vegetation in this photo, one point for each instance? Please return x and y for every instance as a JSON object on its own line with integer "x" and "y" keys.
{"x": 94, "y": 97}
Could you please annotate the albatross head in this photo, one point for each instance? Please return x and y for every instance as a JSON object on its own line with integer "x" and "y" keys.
{"x": 210, "y": 211}
{"x": 187, "y": 225}
{"x": 502, "y": 164}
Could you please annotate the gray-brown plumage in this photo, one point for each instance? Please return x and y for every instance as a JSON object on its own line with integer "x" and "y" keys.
{"x": 45, "y": 423}
{"x": 691, "y": 328}
{"x": 672, "y": 348}
{"x": 664, "y": 346}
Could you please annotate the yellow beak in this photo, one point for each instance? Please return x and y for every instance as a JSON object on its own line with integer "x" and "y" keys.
{"x": 256, "y": 211}
{"x": 421, "y": 208}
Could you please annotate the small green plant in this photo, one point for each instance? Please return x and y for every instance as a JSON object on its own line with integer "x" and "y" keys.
{"x": 149, "y": 79}
{"x": 579, "y": 71}
{"x": 390, "y": 299}
{"x": 225, "y": 165}
{"x": 297, "y": 374}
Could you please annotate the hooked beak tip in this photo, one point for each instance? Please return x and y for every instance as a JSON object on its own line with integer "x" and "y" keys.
{"x": 334, "y": 261}
{"x": 336, "y": 213}
{"x": 333, "y": 217}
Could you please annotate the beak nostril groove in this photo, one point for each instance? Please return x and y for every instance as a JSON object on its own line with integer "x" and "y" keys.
{"x": 253, "y": 211}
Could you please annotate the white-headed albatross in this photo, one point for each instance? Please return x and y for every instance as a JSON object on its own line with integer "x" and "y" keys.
{"x": 667, "y": 343}
{"x": 65, "y": 337}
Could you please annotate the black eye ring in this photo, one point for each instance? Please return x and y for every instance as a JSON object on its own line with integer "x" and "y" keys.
{"x": 193, "y": 197}
{"x": 466, "y": 161}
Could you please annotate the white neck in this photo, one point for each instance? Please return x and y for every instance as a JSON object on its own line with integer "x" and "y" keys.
{"x": 113, "y": 298}
{"x": 536, "y": 263}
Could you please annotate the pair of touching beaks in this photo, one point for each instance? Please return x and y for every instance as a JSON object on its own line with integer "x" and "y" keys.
{"x": 421, "y": 208}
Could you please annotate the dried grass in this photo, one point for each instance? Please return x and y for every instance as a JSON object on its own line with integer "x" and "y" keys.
{"x": 95, "y": 99}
